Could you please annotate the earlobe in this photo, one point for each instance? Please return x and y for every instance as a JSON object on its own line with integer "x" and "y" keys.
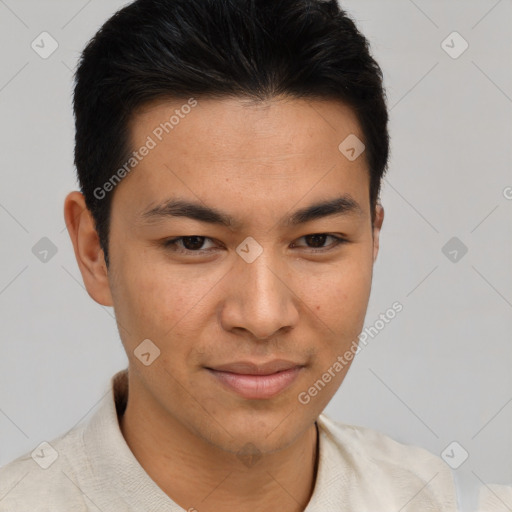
{"x": 377, "y": 225}
{"x": 86, "y": 244}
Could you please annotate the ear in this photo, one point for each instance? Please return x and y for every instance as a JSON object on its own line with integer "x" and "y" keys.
{"x": 88, "y": 252}
{"x": 377, "y": 225}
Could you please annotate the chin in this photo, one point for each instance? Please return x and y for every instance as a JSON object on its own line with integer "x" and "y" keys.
{"x": 269, "y": 432}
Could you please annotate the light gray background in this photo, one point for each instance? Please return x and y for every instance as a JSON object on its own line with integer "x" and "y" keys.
{"x": 439, "y": 372}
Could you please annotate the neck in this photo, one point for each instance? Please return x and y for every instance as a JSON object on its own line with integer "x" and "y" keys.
{"x": 200, "y": 476}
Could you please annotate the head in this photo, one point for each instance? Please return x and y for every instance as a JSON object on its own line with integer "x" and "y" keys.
{"x": 220, "y": 213}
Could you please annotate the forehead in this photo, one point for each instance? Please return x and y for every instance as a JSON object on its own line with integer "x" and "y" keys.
{"x": 278, "y": 121}
{"x": 251, "y": 153}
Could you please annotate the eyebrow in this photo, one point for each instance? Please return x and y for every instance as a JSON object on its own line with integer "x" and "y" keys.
{"x": 171, "y": 208}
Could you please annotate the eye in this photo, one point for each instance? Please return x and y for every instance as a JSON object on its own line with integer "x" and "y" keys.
{"x": 187, "y": 244}
{"x": 194, "y": 245}
{"x": 317, "y": 240}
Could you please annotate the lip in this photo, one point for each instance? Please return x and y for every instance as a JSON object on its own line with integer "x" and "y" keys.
{"x": 257, "y": 381}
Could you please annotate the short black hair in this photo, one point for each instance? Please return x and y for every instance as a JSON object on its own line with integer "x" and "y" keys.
{"x": 254, "y": 49}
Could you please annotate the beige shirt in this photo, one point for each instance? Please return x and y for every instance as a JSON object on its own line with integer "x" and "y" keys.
{"x": 495, "y": 498}
{"x": 91, "y": 468}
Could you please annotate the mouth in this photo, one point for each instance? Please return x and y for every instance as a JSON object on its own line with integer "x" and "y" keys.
{"x": 257, "y": 382}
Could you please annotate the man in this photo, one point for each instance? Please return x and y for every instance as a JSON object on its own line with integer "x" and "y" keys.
{"x": 230, "y": 155}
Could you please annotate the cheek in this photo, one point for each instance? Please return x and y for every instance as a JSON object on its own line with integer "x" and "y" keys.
{"x": 340, "y": 295}
{"x": 159, "y": 301}
{"x": 338, "y": 303}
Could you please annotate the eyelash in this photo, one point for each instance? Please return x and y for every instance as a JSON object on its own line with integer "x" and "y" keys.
{"x": 172, "y": 243}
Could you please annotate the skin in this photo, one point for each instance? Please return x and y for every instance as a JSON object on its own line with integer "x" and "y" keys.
{"x": 258, "y": 162}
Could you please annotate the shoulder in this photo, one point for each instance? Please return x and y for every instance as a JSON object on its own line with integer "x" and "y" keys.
{"x": 376, "y": 446}
{"x": 44, "y": 479}
{"x": 495, "y": 498}
{"x": 394, "y": 468}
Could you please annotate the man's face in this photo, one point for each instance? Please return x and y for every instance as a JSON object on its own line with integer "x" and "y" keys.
{"x": 208, "y": 306}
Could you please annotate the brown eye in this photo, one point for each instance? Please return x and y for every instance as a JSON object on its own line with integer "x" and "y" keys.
{"x": 193, "y": 243}
{"x": 188, "y": 244}
{"x": 315, "y": 242}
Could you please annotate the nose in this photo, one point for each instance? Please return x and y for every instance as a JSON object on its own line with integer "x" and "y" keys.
{"x": 260, "y": 298}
